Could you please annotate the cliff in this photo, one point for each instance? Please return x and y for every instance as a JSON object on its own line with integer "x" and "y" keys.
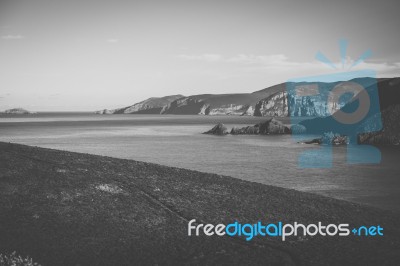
{"x": 220, "y": 104}
{"x": 152, "y": 105}
{"x": 380, "y": 126}
{"x": 283, "y": 104}
{"x": 271, "y": 101}
{"x": 390, "y": 133}
{"x": 210, "y": 104}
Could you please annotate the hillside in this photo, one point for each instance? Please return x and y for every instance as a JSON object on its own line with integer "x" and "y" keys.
{"x": 220, "y": 104}
{"x": 152, "y": 105}
{"x": 65, "y": 208}
{"x": 271, "y": 101}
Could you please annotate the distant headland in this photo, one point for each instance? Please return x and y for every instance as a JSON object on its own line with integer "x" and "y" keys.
{"x": 17, "y": 111}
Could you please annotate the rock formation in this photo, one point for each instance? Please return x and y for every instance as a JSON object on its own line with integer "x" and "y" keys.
{"x": 379, "y": 127}
{"x": 330, "y": 138}
{"x": 271, "y": 126}
{"x": 209, "y": 104}
{"x": 284, "y": 104}
{"x": 390, "y": 133}
{"x": 297, "y": 129}
{"x": 220, "y": 129}
{"x": 105, "y": 112}
{"x": 17, "y": 111}
{"x": 274, "y": 101}
{"x": 152, "y": 105}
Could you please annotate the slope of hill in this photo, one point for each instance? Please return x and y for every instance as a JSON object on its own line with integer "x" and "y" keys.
{"x": 220, "y": 104}
{"x": 209, "y": 104}
{"x": 271, "y": 101}
{"x": 64, "y": 208}
{"x": 152, "y": 105}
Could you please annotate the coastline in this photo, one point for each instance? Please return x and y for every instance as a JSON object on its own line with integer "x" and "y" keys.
{"x": 66, "y": 208}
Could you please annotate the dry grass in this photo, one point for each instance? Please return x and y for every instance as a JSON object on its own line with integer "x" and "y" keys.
{"x": 16, "y": 260}
{"x": 123, "y": 212}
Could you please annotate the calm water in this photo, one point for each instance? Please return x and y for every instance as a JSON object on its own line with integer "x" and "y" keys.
{"x": 177, "y": 141}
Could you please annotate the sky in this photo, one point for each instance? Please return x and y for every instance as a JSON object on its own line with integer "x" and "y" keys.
{"x": 86, "y": 55}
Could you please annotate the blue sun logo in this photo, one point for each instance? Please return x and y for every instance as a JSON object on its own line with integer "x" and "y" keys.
{"x": 337, "y": 107}
{"x": 343, "y": 44}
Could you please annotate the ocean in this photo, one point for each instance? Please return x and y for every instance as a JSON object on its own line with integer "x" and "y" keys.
{"x": 176, "y": 140}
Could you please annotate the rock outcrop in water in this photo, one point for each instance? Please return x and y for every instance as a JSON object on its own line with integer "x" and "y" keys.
{"x": 271, "y": 126}
{"x": 220, "y": 130}
{"x": 18, "y": 111}
{"x": 330, "y": 138}
{"x": 297, "y": 129}
{"x": 105, "y": 112}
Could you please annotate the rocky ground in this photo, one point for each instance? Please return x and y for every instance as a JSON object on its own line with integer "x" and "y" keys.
{"x": 64, "y": 208}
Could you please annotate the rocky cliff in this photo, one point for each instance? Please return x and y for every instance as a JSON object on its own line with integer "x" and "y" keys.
{"x": 274, "y": 105}
{"x": 380, "y": 126}
{"x": 221, "y": 104}
{"x": 271, "y": 101}
{"x": 389, "y": 101}
{"x": 209, "y": 104}
{"x": 152, "y": 105}
{"x": 294, "y": 104}
{"x": 390, "y": 133}
{"x": 281, "y": 104}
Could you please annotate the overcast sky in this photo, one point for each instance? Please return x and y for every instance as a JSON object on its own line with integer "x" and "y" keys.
{"x": 94, "y": 54}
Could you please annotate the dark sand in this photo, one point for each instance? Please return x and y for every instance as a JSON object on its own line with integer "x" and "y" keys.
{"x": 53, "y": 210}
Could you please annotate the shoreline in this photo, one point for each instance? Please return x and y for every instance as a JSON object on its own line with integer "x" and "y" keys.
{"x": 67, "y": 208}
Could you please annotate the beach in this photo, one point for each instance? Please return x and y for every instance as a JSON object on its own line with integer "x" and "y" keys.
{"x": 66, "y": 208}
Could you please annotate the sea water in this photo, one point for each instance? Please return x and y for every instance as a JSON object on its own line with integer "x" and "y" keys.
{"x": 176, "y": 140}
